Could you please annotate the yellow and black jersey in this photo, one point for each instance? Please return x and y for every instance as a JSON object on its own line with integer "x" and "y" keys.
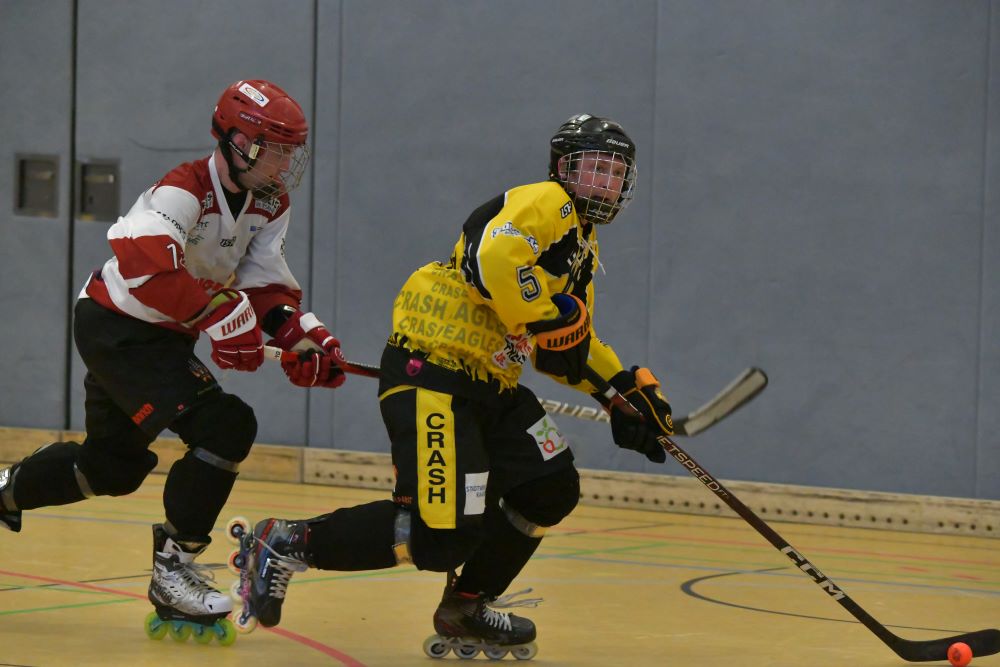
{"x": 515, "y": 252}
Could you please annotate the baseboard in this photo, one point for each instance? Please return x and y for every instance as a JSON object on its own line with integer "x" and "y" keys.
{"x": 668, "y": 493}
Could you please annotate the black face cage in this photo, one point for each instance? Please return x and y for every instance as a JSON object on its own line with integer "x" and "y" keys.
{"x": 604, "y": 200}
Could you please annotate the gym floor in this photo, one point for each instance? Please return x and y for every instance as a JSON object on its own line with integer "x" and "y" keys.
{"x": 621, "y": 587}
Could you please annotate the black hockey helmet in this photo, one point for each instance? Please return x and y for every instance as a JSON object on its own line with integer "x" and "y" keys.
{"x": 582, "y": 134}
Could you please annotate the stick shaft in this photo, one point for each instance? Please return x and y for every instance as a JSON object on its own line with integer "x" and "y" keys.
{"x": 982, "y": 642}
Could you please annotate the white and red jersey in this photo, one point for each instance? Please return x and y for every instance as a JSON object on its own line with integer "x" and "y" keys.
{"x": 179, "y": 244}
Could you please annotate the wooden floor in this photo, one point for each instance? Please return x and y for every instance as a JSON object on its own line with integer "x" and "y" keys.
{"x": 621, "y": 587}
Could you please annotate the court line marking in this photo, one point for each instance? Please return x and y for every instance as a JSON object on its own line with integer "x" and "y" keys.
{"x": 325, "y": 649}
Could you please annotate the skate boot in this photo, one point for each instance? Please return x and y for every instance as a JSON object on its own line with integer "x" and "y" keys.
{"x": 468, "y": 623}
{"x": 186, "y": 604}
{"x": 266, "y": 560}
{"x": 9, "y": 519}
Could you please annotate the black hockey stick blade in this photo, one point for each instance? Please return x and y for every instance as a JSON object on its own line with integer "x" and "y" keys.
{"x": 736, "y": 394}
{"x": 982, "y": 642}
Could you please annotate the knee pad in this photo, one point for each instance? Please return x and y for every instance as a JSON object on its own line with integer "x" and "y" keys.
{"x": 442, "y": 549}
{"x": 219, "y": 430}
{"x": 113, "y": 468}
{"x": 543, "y": 502}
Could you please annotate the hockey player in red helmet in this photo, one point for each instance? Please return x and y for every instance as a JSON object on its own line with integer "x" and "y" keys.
{"x": 262, "y": 136}
{"x": 201, "y": 251}
{"x": 481, "y": 470}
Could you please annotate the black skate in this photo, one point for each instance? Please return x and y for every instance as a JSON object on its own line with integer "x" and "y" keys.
{"x": 9, "y": 519}
{"x": 186, "y": 605}
{"x": 266, "y": 560}
{"x": 467, "y": 624}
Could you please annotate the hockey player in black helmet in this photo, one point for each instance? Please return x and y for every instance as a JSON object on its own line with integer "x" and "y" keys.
{"x": 482, "y": 471}
{"x": 594, "y": 160}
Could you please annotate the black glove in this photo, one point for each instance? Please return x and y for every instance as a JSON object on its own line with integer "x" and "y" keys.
{"x": 642, "y": 390}
{"x": 563, "y": 343}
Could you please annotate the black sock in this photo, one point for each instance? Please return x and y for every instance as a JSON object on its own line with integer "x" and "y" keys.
{"x": 354, "y": 538}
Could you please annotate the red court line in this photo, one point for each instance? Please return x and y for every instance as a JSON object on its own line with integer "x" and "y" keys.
{"x": 345, "y": 659}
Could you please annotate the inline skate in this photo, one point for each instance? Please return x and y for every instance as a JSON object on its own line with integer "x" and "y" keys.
{"x": 186, "y": 604}
{"x": 266, "y": 559}
{"x": 468, "y": 623}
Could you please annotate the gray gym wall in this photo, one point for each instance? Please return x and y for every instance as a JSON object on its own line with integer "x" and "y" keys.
{"x": 817, "y": 196}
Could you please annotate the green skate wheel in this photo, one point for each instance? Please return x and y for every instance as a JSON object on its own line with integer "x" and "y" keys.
{"x": 466, "y": 651}
{"x": 228, "y": 632}
{"x": 155, "y": 627}
{"x": 179, "y": 630}
{"x": 203, "y": 633}
{"x": 236, "y": 528}
{"x": 525, "y": 651}
{"x": 435, "y": 647}
{"x": 495, "y": 652}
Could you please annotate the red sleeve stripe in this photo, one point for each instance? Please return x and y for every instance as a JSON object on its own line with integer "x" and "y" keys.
{"x": 147, "y": 255}
{"x": 174, "y": 293}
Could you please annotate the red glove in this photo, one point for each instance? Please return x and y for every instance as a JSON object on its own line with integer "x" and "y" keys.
{"x": 314, "y": 369}
{"x": 304, "y": 333}
{"x": 237, "y": 341}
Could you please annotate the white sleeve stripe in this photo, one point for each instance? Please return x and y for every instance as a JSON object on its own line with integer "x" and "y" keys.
{"x": 118, "y": 290}
{"x": 309, "y": 321}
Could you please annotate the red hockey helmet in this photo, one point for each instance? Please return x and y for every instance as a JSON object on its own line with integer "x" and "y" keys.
{"x": 275, "y": 125}
{"x": 259, "y": 108}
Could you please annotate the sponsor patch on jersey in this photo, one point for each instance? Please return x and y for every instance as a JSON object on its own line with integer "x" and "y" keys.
{"x": 475, "y": 492}
{"x": 228, "y": 243}
{"x": 508, "y": 229}
{"x": 208, "y": 202}
{"x": 177, "y": 225}
{"x": 550, "y": 441}
{"x": 566, "y": 209}
{"x": 258, "y": 97}
{"x": 270, "y": 205}
{"x": 516, "y": 350}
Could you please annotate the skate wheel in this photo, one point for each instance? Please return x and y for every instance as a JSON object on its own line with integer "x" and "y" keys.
{"x": 228, "y": 636}
{"x": 435, "y": 647}
{"x": 245, "y": 624}
{"x": 236, "y": 528}
{"x": 235, "y": 562}
{"x": 495, "y": 652}
{"x": 466, "y": 651}
{"x": 179, "y": 631}
{"x": 235, "y": 590}
{"x": 155, "y": 627}
{"x": 203, "y": 633}
{"x": 525, "y": 651}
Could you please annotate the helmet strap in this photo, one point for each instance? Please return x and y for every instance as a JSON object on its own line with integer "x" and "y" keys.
{"x": 228, "y": 147}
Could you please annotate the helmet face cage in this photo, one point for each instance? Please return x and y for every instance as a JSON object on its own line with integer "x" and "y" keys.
{"x": 600, "y": 183}
{"x": 274, "y": 169}
{"x": 594, "y": 160}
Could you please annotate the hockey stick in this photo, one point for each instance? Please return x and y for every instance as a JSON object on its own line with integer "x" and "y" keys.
{"x": 982, "y": 642}
{"x": 277, "y": 354}
{"x": 736, "y": 394}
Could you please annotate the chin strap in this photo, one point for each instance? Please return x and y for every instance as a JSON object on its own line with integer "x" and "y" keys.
{"x": 227, "y": 146}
